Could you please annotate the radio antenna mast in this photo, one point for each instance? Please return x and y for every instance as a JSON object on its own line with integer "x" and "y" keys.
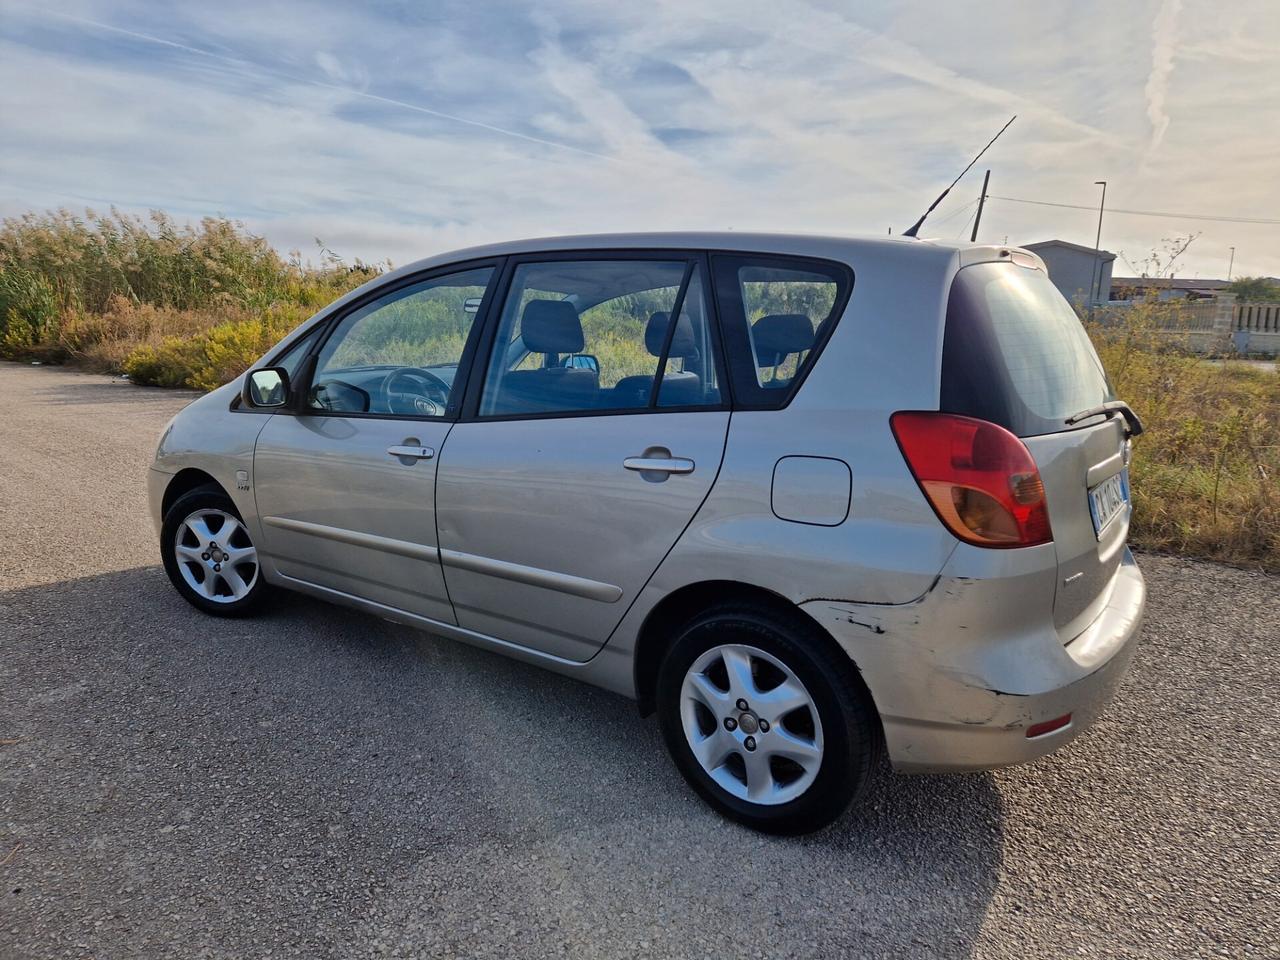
{"x": 915, "y": 227}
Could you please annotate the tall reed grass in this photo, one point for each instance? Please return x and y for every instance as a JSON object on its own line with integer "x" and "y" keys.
{"x": 169, "y": 304}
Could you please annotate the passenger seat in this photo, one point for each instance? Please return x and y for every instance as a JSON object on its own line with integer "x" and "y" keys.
{"x": 678, "y": 387}
{"x": 777, "y": 336}
{"x": 549, "y": 328}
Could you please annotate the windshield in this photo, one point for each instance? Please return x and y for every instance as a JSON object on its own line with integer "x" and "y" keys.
{"x": 1015, "y": 353}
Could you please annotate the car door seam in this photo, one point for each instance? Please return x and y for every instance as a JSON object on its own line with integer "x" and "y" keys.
{"x": 724, "y": 449}
{"x": 435, "y": 501}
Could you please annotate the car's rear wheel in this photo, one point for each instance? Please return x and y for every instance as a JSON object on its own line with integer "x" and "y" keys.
{"x": 209, "y": 556}
{"x": 768, "y": 723}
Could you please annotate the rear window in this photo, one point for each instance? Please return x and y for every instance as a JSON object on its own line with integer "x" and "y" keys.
{"x": 1015, "y": 353}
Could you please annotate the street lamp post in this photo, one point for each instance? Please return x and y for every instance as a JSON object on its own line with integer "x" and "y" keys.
{"x": 1231, "y": 263}
{"x": 1097, "y": 246}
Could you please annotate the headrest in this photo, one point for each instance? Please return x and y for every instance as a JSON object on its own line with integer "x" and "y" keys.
{"x": 779, "y": 335}
{"x": 551, "y": 326}
{"x": 683, "y": 343}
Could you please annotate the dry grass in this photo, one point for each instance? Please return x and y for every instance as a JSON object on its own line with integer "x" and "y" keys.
{"x": 1206, "y": 474}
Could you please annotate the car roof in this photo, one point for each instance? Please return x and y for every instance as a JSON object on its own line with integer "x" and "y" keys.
{"x": 888, "y": 251}
{"x": 799, "y": 244}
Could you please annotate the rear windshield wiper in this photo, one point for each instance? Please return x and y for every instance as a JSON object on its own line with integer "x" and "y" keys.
{"x": 1133, "y": 426}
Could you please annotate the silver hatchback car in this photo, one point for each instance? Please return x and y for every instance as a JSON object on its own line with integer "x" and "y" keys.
{"x": 806, "y": 498}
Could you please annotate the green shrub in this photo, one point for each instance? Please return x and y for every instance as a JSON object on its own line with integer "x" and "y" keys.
{"x": 229, "y": 349}
{"x": 168, "y": 365}
{"x": 28, "y": 310}
{"x": 1254, "y": 289}
{"x": 206, "y": 360}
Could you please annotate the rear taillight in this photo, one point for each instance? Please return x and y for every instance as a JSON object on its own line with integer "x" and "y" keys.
{"x": 979, "y": 478}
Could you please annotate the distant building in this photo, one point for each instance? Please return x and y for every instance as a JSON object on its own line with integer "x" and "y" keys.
{"x": 1166, "y": 288}
{"x": 1075, "y": 270}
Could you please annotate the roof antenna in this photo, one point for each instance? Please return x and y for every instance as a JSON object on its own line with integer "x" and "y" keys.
{"x": 915, "y": 227}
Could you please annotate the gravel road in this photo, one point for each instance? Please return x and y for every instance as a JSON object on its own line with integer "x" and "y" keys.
{"x": 317, "y": 783}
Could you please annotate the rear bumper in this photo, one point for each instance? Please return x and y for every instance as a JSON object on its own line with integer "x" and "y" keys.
{"x": 962, "y": 673}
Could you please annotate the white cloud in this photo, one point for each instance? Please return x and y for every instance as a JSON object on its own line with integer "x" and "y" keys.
{"x": 399, "y": 132}
{"x": 352, "y": 75}
{"x": 1164, "y": 35}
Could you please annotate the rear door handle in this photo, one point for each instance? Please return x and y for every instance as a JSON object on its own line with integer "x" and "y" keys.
{"x": 411, "y": 452}
{"x": 659, "y": 464}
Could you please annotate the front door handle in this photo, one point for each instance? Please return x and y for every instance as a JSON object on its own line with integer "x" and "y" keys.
{"x": 408, "y": 452}
{"x": 659, "y": 464}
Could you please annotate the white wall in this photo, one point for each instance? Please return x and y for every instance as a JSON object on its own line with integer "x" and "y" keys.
{"x": 1072, "y": 272}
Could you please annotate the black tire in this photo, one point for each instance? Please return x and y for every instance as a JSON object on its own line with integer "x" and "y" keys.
{"x": 208, "y": 497}
{"x": 850, "y": 725}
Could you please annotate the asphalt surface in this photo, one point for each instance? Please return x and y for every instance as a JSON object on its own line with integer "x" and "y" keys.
{"x": 317, "y": 783}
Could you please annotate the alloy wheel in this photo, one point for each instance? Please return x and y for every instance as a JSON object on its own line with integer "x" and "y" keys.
{"x": 751, "y": 724}
{"x": 215, "y": 556}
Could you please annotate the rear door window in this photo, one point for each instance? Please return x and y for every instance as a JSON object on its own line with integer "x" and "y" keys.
{"x": 1015, "y": 353}
{"x": 777, "y": 312}
{"x": 585, "y": 336}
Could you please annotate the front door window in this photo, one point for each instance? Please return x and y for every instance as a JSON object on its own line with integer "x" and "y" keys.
{"x": 399, "y": 355}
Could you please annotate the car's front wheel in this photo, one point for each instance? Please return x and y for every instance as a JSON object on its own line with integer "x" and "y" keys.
{"x": 209, "y": 555}
{"x": 768, "y": 723}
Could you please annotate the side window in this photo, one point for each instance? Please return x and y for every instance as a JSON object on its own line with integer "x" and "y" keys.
{"x": 400, "y": 353}
{"x": 777, "y": 314}
{"x": 595, "y": 334}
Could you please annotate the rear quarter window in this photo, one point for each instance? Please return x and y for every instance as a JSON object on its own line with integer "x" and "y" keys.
{"x": 1015, "y": 353}
{"x": 777, "y": 313}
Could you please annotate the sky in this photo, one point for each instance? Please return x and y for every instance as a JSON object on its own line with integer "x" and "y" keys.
{"x": 393, "y": 131}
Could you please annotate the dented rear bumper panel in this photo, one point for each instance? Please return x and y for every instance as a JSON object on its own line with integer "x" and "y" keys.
{"x": 961, "y": 673}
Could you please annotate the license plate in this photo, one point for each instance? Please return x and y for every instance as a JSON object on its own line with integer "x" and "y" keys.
{"x": 1108, "y": 500}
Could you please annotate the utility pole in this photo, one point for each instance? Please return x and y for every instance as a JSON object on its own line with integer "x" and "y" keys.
{"x": 1097, "y": 245}
{"x": 981, "y": 200}
{"x": 1231, "y": 263}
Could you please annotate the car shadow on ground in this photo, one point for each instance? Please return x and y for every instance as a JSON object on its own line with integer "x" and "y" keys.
{"x": 333, "y": 773}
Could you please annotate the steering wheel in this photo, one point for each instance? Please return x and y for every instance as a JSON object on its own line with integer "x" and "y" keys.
{"x": 427, "y": 394}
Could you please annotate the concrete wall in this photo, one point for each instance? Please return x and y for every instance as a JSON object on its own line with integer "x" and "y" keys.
{"x": 1072, "y": 273}
{"x": 1255, "y": 327}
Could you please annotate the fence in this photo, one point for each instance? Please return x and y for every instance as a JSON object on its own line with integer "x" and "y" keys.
{"x": 1257, "y": 317}
{"x": 1219, "y": 326}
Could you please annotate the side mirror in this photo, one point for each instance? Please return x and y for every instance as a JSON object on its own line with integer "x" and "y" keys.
{"x": 267, "y": 387}
{"x": 583, "y": 361}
